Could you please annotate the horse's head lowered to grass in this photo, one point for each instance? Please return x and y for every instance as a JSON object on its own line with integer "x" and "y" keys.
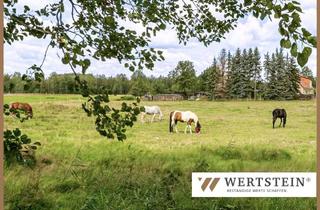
{"x": 198, "y": 127}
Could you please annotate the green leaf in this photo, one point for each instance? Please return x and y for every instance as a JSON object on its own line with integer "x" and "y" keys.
{"x": 285, "y": 43}
{"x": 33, "y": 147}
{"x": 296, "y": 2}
{"x": 86, "y": 62}
{"x": 304, "y": 56}
{"x": 247, "y": 2}
{"x": 290, "y": 7}
{"x": 26, "y": 9}
{"x": 17, "y": 132}
{"x": 294, "y": 50}
{"x": 301, "y": 59}
{"x": 296, "y": 18}
{"x": 306, "y": 33}
{"x": 85, "y": 65}
{"x": 162, "y": 26}
{"x": 312, "y": 40}
{"x": 66, "y": 58}
{"x": 307, "y": 51}
{"x": 37, "y": 143}
{"x": 277, "y": 15}
{"x": 282, "y": 31}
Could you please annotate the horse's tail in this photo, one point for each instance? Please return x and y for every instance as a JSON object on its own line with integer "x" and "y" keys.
{"x": 170, "y": 122}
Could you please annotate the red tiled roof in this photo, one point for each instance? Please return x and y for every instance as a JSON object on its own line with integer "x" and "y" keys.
{"x": 305, "y": 82}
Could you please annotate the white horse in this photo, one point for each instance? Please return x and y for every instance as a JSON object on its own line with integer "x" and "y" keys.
{"x": 188, "y": 117}
{"x": 151, "y": 110}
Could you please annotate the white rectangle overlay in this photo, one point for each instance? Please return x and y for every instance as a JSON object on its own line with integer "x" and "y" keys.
{"x": 254, "y": 184}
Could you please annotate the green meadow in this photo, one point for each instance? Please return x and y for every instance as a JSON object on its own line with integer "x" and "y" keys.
{"x": 78, "y": 169}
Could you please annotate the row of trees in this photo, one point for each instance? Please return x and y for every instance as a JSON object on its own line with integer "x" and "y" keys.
{"x": 241, "y": 75}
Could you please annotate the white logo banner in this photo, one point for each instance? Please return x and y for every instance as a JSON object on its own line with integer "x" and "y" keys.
{"x": 254, "y": 184}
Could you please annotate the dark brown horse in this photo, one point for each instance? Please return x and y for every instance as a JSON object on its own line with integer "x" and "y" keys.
{"x": 279, "y": 113}
{"x": 23, "y": 107}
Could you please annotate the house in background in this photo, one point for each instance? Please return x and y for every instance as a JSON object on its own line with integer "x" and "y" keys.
{"x": 305, "y": 86}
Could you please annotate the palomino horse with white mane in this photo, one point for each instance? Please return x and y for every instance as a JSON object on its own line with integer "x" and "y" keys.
{"x": 188, "y": 117}
{"x": 151, "y": 110}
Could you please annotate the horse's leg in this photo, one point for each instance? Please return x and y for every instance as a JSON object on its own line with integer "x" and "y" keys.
{"x": 190, "y": 127}
{"x": 153, "y": 117}
{"x": 175, "y": 125}
{"x": 280, "y": 121}
{"x": 142, "y": 117}
{"x": 274, "y": 120}
{"x": 30, "y": 115}
{"x": 185, "y": 130}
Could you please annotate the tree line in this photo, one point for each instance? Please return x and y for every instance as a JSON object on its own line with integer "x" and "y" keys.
{"x": 239, "y": 76}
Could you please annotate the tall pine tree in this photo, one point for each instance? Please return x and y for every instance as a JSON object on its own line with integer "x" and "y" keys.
{"x": 256, "y": 72}
{"x": 234, "y": 75}
{"x": 282, "y": 75}
{"x": 293, "y": 78}
{"x": 210, "y": 79}
{"x": 244, "y": 80}
{"x": 271, "y": 76}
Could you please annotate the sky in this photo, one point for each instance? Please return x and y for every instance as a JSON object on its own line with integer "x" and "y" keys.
{"x": 250, "y": 33}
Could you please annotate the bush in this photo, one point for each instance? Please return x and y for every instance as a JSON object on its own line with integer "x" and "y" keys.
{"x": 18, "y": 146}
{"x": 127, "y": 98}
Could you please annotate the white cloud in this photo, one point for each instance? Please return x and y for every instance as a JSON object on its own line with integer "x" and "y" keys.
{"x": 165, "y": 39}
{"x": 306, "y": 4}
{"x": 308, "y": 19}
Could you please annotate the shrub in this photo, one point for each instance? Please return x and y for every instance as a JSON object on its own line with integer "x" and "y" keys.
{"x": 18, "y": 146}
{"x": 127, "y": 98}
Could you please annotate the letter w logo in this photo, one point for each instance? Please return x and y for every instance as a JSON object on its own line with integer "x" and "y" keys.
{"x": 207, "y": 181}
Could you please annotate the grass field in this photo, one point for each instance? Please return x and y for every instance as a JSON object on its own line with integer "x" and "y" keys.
{"x": 78, "y": 169}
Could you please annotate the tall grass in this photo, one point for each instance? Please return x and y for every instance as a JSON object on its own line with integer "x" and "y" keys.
{"x": 78, "y": 169}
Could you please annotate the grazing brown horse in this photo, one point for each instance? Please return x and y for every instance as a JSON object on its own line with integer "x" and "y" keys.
{"x": 22, "y": 106}
{"x": 279, "y": 113}
{"x": 188, "y": 117}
